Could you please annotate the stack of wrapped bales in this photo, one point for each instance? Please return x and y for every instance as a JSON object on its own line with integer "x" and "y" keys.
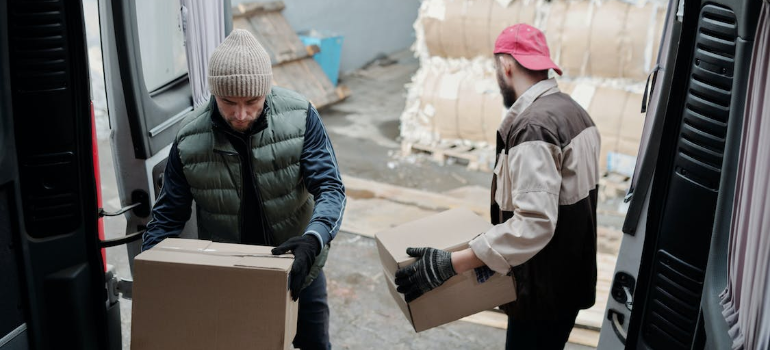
{"x": 606, "y": 49}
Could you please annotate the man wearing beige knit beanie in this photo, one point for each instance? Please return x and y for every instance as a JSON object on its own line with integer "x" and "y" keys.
{"x": 262, "y": 170}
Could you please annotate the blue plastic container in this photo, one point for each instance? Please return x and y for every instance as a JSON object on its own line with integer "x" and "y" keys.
{"x": 331, "y": 50}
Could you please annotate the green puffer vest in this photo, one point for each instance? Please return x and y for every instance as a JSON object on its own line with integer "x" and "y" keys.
{"x": 212, "y": 168}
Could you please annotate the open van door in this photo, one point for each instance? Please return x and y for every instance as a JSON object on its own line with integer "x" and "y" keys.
{"x": 53, "y": 284}
{"x": 683, "y": 182}
{"x": 150, "y": 92}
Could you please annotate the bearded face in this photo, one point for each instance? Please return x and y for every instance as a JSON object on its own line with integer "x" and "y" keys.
{"x": 509, "y": 96}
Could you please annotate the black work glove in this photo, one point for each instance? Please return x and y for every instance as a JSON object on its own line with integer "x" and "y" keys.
{"x": 432, "y": 268}
{"x": 305, "y": 248}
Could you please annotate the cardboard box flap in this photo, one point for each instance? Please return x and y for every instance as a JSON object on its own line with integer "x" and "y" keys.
{"x": 456, "y": 228}
{"x": 183, "y": 244}
{"x": 466, "y": 297}
{"x": 278, "y": 263}
{"x": 198, "y": 252}
{"x": 398, "y": 297}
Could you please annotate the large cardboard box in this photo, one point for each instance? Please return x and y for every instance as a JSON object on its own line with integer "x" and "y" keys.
{"x": 194, "y": 294}
{"x": 461, "y": 295}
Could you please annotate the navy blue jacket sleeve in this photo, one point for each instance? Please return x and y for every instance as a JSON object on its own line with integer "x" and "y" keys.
{"x": 322, "y": 179}
{"x": 173, "y": 207}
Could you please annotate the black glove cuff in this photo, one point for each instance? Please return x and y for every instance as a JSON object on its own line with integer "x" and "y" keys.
{"x": 314, "y": 243}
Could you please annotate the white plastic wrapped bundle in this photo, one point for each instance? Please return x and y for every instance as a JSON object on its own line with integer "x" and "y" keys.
{"x": 605, "y": 48}
{"x": 608, "y": 39}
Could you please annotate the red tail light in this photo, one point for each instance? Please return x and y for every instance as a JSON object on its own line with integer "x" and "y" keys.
{"x": 94, "y": 147}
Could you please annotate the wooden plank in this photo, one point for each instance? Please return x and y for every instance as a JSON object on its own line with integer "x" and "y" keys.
{"x": 276, "y": 38}
{"x": 342, "y": 92}
{"x": 476, "y": 159}
{"x": 312, "y": 49}
{"x": 459, "y": 151}
{"x": 306, "y": 77}
{"x": 316, "y": 79}
{"x": 579, "y": 335}
{"x": 291, "y": 47}
{"x": 584, "y": 336}
{"x": 488, "y": 318}
{"x": 417, "y": 198}
{"x": 482, "y": 160}
{"x": 473, "y": 194}
{"x": 272, "y": 31}
{"x": 367, "y": 217}
{"x": 249, "y": 9}
{"x": 245, "y": 23}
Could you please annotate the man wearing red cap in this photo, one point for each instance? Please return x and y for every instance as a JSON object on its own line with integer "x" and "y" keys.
{"x": 544, "y": 192}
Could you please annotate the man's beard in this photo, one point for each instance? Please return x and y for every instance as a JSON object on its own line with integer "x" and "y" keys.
{"x": 230, "y": 122}
{"x": 509, "y": 96}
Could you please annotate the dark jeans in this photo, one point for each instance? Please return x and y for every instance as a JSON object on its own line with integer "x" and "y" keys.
{"x": 313, "y": 318}
{"x": 541, "y": 334}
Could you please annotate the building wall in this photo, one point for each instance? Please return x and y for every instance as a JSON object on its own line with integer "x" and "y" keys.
{"x": 369, "y": 27}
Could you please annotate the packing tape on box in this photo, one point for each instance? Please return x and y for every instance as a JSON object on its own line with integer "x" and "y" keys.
{"x": 209, "y": 251}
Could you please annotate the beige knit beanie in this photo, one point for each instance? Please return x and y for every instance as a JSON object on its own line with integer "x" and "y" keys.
{"x": 240, "y": 67}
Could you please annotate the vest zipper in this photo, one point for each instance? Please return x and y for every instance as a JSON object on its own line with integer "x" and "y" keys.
{"x": 229, "y": 171}
{"x": 266, "y": 228}
{"x": 232, "y": 178}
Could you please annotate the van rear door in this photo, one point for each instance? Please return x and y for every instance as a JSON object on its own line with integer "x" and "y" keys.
{"x": 148, "y": 95}
{"x": 685, "y": 181}
{"x": 52, "y": 273}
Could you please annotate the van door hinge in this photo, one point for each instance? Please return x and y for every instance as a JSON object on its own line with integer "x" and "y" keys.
{"x": 140, "y": 206}
{"x": 622, "y": 289}
{"x": 117, "y": 287}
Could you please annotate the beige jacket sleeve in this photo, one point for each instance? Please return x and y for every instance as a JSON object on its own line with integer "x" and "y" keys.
{"x": 528, "y": 184}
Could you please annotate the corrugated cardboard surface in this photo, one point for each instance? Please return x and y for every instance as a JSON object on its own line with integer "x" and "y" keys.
{"x": 618, "y": 117}
{"x": 554, "y": 26}
{"x": 461, "y": 295}
{"x": 575, "y": 38}
{"x": 445, "y": 102}
{"x": 452, "y": 31}
{"x": 477, "y": 27}
{"x": 606, "y": 37}
{"x": 460, "y": 101}
{"x": 192, "y": 294}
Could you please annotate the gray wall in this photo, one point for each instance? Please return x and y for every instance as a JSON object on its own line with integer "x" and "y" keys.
{"x": 369, "y": 27}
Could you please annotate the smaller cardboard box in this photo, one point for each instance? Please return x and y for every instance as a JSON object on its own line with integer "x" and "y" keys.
{"x": 461, "y": 295}
{"x": 194, "y": 294}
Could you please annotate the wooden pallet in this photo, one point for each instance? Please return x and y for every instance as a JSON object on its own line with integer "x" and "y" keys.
{"x": 293, "y": 65}
{"x": 497, "y": 319}
{"x": 476, "y": 159}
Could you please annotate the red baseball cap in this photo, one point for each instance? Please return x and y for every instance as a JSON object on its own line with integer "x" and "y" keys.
{"x": 527, "y": 45}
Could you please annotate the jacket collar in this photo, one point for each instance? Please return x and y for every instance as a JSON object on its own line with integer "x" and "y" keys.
{"x": 541, "y": 88}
